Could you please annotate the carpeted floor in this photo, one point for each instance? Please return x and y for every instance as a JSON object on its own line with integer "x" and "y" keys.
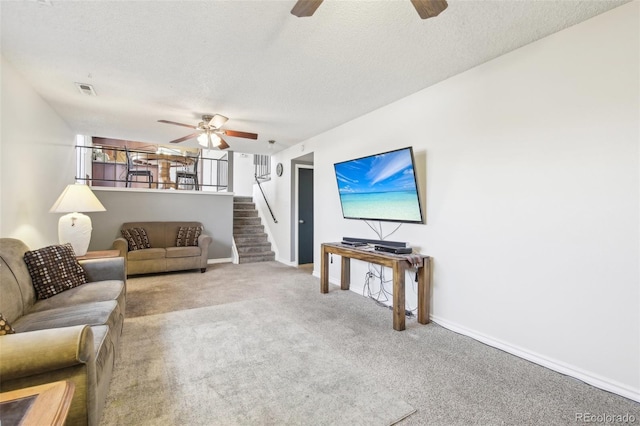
{"x": 258, "y": 344}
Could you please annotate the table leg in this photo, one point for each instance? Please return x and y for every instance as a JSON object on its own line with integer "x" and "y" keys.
{"x": 164, "y": 174}
{"x": 345, "y": 274}
{"x": 398, "y": 297}
{"x": 324, "y": 271}
{"x": 424, "y": 291}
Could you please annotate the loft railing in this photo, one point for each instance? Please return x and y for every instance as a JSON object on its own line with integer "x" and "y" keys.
{"x": 108, "y": 167}
{"x": 265, "y": 199}
{"x": 262, "y": 167}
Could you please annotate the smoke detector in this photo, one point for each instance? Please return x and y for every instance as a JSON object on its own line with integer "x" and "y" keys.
{"x": 86, "y": 89}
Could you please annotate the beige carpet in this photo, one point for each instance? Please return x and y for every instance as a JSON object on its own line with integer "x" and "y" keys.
{"x": 258, "y": 344}
{"x": 240, "y": 363}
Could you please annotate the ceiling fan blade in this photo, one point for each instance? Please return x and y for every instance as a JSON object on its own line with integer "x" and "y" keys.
{"x": 240, "y": 134}
{"x": 177, "y": 124}
{"x": 305, "y": 8}
{"x": 223, "y": 144}
{"x": 429, "y": 8}
{"x": 193, "y": 135}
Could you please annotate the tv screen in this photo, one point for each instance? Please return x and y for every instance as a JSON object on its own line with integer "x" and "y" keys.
{"x": 380, "y": 187}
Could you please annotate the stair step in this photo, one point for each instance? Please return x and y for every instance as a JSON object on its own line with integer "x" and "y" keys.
{"x": 248, "y": 239}
{"x": 242, "y": 199}
{"x": 241, "y": 221}
{"x": 258, "y": 248}
{"x": 257, "y": 257}
{"x": 248, "y": 229}
{"x": 244, "y": 206}
{"x": 245, "y": 213}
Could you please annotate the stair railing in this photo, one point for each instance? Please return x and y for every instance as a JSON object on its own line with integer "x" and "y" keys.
{"x": 265, "y": 199}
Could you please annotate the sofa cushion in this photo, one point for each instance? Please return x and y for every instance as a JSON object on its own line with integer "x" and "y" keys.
{"x": 147, "y": 254}
{"x": 183, "y": 251}
{"x": 54, "y": 269}
{"x": 137, "y": 238}
{"x": 5, "y": 327}
{"x": 188, "y": 236}
{"x": 91, "y": 292}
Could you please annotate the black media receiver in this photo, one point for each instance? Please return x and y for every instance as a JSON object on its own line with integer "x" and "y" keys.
{"x": 393, "y": 249}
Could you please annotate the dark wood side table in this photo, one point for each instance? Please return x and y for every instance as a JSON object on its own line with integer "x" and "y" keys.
{"x": 37, "y": 405}
{"x": 398, "y": 263}
{"x": 99, "y": 254}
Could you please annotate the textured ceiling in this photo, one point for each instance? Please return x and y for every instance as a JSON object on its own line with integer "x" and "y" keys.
{"x": 271, "y": 73}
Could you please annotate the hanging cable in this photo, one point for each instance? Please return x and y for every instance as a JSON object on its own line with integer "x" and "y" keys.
{"x": 392, "y": 232}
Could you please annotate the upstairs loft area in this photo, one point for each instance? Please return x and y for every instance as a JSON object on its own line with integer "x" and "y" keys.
{"x": 129, "y": 164}
{"x": 104, "y": 162}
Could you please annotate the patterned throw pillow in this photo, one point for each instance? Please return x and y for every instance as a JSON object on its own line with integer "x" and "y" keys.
{"x": 188, "y": 236}
{"x": 54, "y": 269}
{"x": 5, "y": 327}
{"x": 136, "y": 238}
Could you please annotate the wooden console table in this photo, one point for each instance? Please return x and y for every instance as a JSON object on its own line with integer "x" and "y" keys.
{"x": 397, "y": 262}
{"x": 99, "y": 254}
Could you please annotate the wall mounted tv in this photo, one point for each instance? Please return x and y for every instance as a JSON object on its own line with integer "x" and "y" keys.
{"x": 380, "y": 187}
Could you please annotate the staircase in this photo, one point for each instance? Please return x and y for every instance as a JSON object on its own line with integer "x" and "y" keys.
{"x": 248, "y": 232}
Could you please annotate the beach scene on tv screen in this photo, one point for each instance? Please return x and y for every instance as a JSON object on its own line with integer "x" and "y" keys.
{"x": 379, "y": 187}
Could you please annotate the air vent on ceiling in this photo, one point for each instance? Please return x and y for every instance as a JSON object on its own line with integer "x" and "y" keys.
{"x": 86, "y": 89}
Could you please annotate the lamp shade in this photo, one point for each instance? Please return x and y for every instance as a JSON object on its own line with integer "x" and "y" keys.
{"x": 77, "y": 198}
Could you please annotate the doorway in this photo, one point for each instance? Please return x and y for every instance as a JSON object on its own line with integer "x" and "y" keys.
{"x": 305, "y": 215}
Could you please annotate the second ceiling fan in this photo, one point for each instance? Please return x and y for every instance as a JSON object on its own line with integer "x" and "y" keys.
{"x": 425, "y": 8}
{"x": 209, "y": 132}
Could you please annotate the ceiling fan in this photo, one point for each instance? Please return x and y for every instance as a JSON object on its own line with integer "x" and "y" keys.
{"x": 425, "y": 8}
{"x": 209, "y": 132}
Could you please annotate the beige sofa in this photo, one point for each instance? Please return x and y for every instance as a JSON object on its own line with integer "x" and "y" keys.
{"x": 163, "y": 256}
{"x": 73, "y": 335}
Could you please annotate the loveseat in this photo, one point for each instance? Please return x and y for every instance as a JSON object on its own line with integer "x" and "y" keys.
{"x": 163, "y": 246}
{"x": 72, "y": 334}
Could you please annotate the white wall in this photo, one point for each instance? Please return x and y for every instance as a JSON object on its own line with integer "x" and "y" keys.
{"x": 37, "y": 162}
{"x": 532, "y": 198}
{"x": 243, "y": 174}
{"x": 213, "y": 210}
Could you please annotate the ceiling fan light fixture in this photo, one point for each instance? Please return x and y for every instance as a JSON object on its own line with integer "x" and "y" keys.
{"x": 215, "y": 139}
{"x": 218, "y": 121}
{"x": 202, "y": 139}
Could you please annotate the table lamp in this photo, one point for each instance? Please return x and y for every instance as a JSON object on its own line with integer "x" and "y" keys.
{"x": 75, "y": 227}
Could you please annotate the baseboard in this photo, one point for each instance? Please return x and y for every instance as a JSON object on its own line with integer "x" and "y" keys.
{"x": 552, "y": 364}
{"x": 286, "y": 262}
{"x": 220, "y": 260}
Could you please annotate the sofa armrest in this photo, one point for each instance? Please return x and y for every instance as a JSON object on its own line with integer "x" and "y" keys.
{"x": 204, "y": 241}
{"x": 112, "y": 268}
{"x": 36, "y": 352}
{"x": 122, "y": 246}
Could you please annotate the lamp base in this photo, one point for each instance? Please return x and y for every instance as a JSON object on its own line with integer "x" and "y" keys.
{"x": 75, "y": 228}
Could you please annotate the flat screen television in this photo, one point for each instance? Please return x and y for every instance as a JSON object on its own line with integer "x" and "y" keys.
{"x": 380, "y": 187}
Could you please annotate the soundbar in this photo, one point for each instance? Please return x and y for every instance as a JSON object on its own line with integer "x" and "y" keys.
{"x": 381, "y": 242}
{"x": 394, "y": 250}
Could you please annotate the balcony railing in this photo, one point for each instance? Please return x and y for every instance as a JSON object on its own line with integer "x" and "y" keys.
{"x": 262, "y": 167}
{"x": 110, "y": 168}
